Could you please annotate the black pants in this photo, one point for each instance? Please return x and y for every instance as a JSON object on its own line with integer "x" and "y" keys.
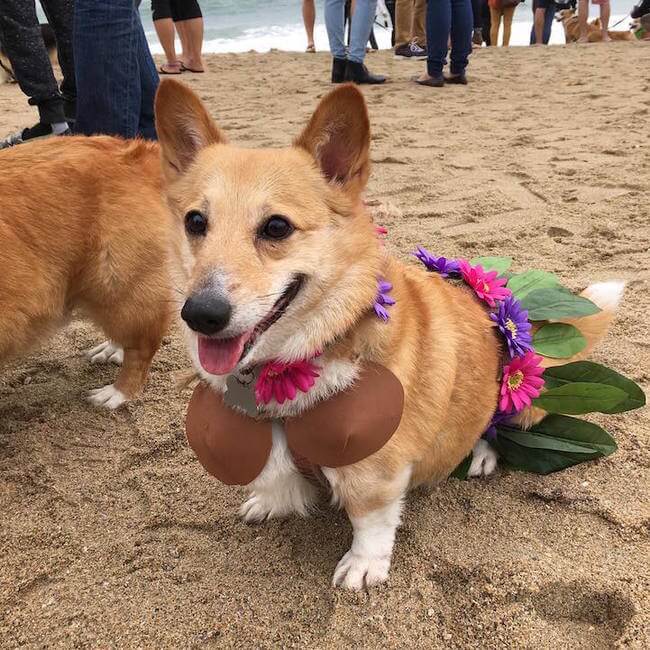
{"x": 177, "y": 10}
{"x": 20, "y": 34}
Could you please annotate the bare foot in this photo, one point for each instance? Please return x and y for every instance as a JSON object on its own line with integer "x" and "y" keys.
{"x": 171, "y": 68}
{"x": 583, "y": 39}
{"x": 606, "y": 38}
{"x": 192, "y": 65}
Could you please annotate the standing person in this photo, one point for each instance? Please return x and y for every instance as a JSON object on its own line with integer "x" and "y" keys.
{"x": 583, "y": 17}
{"x": 184, "y": 17}
{"x": 445, "y": 19}
{"x": 350, "y": 66}
{"x": 309, "y": 20}
{"x": 410, "y": 35}
{"x": 543, "y": 18}
{"x": 20, "y": 33}
{"x": 477, "y": 14}
{"x": 501, "y": 9}
{"x": 116, "y": 76}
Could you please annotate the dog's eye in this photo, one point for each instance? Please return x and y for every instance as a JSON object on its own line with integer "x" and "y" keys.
{"x": 275, "y": 228}
{"x": 195, "y": 223}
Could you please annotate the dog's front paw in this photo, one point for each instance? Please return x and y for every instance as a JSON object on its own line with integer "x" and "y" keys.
{"x": 356, "y": 571}
{"x": 484, "y": 460}
{"x": 109, "y": 397}
{"x": 106, "y": 352}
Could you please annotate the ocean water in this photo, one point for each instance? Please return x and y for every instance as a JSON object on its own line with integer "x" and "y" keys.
{"x": 260, "y": 25}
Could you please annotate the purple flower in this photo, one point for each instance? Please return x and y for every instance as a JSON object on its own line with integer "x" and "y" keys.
{"x": 491, "y": 432}
{"x": 513, "y": 323}
{"x": 383, "y": 300}
{"x": 440, "y": 265}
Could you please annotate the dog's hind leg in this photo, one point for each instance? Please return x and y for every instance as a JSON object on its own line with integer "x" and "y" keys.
{"x": 280, "y": 489}
{"x": 374, "y": 506}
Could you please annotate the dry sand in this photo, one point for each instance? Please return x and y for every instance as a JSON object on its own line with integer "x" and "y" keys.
{"x": 113, "y": 536}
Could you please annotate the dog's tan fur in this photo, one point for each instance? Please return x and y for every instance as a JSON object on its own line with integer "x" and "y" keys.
{"x": 571, "y": 25}
{"x": 83, "y": 226}
{"x": 439, "y": 342}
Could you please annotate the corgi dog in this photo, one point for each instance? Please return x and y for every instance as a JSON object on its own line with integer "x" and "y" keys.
{"x": 571, "y": 25}
{"x": 278, "y": 260}
{"x": 83, "y": 227}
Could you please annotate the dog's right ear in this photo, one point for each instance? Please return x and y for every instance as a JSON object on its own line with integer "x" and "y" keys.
{"x": 183, "y": 126}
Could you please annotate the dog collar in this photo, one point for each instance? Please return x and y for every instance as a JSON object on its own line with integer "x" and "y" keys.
{"x": 233, "y": 446}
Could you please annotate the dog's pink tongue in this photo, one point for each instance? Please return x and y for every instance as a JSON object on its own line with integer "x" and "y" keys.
{"x": 220, "y": 356}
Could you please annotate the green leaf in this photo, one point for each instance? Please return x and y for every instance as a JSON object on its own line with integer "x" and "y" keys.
{"x": 578, "y": 398}
{"x": 556, "y": 443}
{"x": 595, "y": 373}
{"x": 523, "y": 283}
{"x": 461, "y": 471}
{"x": 499, "y": 264}
{"x": 558, "y": 340}
{"x": 553, "y": 303}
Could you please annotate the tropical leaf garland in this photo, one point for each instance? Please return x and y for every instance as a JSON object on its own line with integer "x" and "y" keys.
{"x": 574, "y": 388}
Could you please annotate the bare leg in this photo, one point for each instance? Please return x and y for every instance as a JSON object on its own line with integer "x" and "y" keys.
{"x": 540, "y": 15}
{"x": 309, "y": 19}
{"x": 583, "y": 16}
{"x": 508, "y": 15}
{"x": 605, "y": 10}
{"x": 166, "y": 34}
{"x": 191, "y": 35}
{"x": 495, "y": 20}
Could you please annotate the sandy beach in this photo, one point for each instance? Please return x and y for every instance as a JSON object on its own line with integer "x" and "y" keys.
{"x": 113, "y": 536}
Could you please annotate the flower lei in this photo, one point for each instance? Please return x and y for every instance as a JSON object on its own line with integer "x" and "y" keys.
{"x": 521, "y": 379}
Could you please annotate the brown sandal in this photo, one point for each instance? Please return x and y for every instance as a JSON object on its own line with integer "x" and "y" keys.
{"x": 171, "y": 68}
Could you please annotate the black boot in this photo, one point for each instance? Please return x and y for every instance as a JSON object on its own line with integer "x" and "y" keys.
{"x": 338, "y": 70}
{"x": 358, "y": 73}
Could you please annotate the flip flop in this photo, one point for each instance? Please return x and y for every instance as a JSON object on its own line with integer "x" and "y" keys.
{"x": 311, "y": 49}
{"x": 184, "y": 68}
{"x": 167, "y": 68}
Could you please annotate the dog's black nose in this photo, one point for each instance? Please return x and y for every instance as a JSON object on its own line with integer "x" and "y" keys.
{"x": 206, "y": 313}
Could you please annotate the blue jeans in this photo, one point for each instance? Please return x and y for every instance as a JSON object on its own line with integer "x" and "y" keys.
{"x": 445, "y": 17}
{"x": 549, "y": 16}
{"x": 361, "y": 24}
{"x": 116, "y": 76}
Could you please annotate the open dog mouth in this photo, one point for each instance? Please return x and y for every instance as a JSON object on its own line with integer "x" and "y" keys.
{"x": 221, "y": 356}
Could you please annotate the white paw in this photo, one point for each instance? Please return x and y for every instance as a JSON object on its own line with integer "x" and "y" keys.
{"x": 109, "y": 397}
{"x": 356, "y": 571}
{"x": 106, "y": 351}
{"x": 484, "y": 460}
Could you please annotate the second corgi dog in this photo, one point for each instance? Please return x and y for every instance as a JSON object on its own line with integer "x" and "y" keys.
{"x": 83, "y": 227}
{"x": 279, "y": 260}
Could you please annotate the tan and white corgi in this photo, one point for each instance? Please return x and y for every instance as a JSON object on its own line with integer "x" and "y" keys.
{"x": 83, "y": 227}
{"x": 279, "y": 260}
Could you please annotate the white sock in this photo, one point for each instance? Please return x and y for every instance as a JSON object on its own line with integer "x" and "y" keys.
{"x": 59, "y": 127}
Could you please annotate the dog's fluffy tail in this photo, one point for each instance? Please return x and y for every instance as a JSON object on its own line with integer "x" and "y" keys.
{"x": 607, "y": 296}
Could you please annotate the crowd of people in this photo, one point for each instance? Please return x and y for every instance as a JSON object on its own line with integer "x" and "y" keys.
{"x": 109, "y": 78}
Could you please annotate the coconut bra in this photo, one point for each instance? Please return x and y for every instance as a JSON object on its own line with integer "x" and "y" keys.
{"x": 233, "y": 443}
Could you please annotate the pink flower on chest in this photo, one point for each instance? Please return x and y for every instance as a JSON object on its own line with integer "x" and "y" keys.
{"x": 282, "y": 381}
{"x": 522, "y": 382}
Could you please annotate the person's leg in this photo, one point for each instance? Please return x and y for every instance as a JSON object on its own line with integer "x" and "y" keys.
{"x": 110, "y": 48}
{"x": 549, "y": 19}
{"x": 309, "y": 20}
{"x": 583, "y": 17}
{"x": 188, "y": 20}
{"x": 334, "y": 23}
{"x": 418, "y": 22}
{"x": 60, "y": 15}
{"x": 508, "y": 14}
{"x": 495, "y": 22}
{"x": 438, "y": 30}
{"x": 361, "y": 24}
{"x": 540, "y": 15}
{"x": 21, "y": 38}
{"x": 461, "y": 37}
{"x": 403, "y": 22}
{"x": 149, "y": 81}
{"x": 605, "y": 11}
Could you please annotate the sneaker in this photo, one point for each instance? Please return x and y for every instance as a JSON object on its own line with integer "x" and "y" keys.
{"x": 410, "y": 51}
{"x": 36, "y": 132}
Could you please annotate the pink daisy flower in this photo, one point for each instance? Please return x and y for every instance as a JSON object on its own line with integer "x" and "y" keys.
{"x": 486, "y": 284}
{"x": 521, "y": 383}
{"x": 282, "y": 381}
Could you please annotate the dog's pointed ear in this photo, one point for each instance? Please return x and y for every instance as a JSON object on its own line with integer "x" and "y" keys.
{"x": 338, "y": 137}
{"x": 183, "y": 126}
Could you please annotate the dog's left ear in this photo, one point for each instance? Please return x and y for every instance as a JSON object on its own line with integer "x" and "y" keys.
{"x": 183, "y": 126}
{"x": 338, "y": 137}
